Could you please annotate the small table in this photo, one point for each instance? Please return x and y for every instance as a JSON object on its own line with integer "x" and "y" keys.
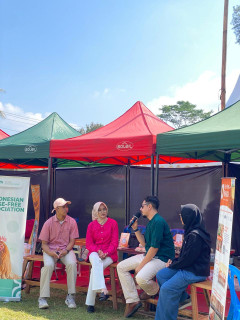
{"x": 128, "y": 252}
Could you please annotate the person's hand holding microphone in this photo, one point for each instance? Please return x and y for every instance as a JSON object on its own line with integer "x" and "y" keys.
{"x": 134, "y": 222}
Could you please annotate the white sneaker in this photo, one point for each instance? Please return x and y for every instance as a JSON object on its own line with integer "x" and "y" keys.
{"x": 70, "y": 301}
{"x": 42, "y": 303}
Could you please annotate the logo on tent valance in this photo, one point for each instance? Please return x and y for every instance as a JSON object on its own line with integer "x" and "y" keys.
{"x": 124, "y": 146}
{"x": 30, "y": 149}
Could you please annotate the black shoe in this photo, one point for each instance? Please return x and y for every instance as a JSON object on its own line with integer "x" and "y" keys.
{"x": 103, "y": 297}
{"x": 90, "y": 309}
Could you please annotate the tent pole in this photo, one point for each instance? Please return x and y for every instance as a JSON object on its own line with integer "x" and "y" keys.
{"x": 127, "y": 202}
{"x": 156, "y": 174}
{"x": 49, "y": 187}
{"x": 226, "y": 169}
{"x": 152, "y": 174}
{"x": 126, "y": 197}
{"x": 54, "y": 180}
{"x": 227, "y": 159}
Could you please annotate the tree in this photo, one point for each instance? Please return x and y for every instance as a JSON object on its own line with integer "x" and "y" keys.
{"x": 182, "y": 114}
{"x": 236, "y": 22}
{"x": 90, "y": 127}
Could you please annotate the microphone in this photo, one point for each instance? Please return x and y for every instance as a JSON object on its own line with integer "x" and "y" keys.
{"x": 135, "y": 217}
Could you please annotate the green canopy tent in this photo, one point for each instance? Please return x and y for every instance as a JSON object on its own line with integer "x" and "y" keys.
{"x": 216, "y": 138}
{"x": 32, "y": 146}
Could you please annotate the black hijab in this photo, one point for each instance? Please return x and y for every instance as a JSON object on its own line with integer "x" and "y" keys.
{"x": 193, "y": 222}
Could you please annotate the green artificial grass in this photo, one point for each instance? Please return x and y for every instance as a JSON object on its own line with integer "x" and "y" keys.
{"x": 27, "y": 308}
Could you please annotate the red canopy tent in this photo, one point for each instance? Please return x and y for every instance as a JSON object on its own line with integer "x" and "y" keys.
{"x": 3, "y": 165}
{"x": 128, "y": 140}
{"x": 3, "y": 135}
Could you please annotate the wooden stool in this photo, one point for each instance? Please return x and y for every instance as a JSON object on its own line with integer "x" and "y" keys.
{"x": 113, "y": 276}
{"x": 206, "y": 286}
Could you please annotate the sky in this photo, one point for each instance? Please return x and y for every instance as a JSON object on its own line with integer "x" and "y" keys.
{"x": 90, "y": 61}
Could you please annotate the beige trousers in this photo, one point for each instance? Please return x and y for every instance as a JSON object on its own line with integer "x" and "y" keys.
{"x": 144, "y": 278}
{"x": 46, "y": 273}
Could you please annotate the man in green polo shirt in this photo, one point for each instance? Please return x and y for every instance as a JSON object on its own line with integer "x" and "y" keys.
{"x": 158, "y": 243}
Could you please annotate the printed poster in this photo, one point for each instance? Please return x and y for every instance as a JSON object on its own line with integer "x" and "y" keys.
{"x": 222, "y": 254}
{"x": 13, "y": 212}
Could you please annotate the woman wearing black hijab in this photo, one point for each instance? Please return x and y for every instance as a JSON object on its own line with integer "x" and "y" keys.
{"x": 192, "y": 265}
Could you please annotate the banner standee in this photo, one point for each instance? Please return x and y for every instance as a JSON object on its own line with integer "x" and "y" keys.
{"x": 223, "y": 247}
{"x": 14, "y": 193}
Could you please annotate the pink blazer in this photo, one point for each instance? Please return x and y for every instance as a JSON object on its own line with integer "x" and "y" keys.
{"x": 103, "y": 237}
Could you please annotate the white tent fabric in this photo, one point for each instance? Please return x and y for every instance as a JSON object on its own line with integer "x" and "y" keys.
{"x": 235, "y": 95}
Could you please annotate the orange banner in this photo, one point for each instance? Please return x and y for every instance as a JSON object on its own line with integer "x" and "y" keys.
{"x": 36, "y": 205}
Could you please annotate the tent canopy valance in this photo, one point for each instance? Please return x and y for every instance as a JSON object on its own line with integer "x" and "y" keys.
{"x": 216, "y": 138}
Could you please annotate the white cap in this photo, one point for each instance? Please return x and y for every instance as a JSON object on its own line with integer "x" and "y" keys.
{"x": 60, "y": 202}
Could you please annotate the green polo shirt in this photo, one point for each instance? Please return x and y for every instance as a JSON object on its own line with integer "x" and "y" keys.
{"x": 158, "y": 235}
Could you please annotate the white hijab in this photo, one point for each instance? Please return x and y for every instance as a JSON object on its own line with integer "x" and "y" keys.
{"x": 95, "y": 210}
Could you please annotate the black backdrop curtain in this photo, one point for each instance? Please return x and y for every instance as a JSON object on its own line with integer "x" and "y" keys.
{"x": 234, "y": 171}
{"x": 85, "y": 186}
{"x": 200, "y": 186}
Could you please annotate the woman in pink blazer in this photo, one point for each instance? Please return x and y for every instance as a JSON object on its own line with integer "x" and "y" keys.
{"x": 102, "y": 243}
